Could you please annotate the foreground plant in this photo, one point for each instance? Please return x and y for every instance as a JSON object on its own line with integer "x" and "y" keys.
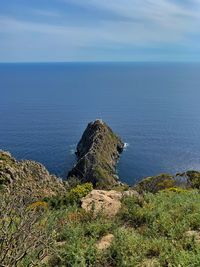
{"x": 24, "y": 235}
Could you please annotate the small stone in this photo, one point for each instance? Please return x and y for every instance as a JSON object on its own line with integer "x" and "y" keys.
{"x": 195, "y": 234}
{"x": 105, "y": 242}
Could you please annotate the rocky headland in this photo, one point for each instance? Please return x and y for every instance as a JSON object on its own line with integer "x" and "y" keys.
{"x": 97, "y": 155}
{"x": 98, "y": 152}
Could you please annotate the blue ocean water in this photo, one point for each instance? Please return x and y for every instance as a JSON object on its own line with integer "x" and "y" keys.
{"x": 154, "y": 107}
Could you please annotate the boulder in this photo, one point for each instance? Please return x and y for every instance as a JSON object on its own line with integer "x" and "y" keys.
{"x": 106, "y": 202}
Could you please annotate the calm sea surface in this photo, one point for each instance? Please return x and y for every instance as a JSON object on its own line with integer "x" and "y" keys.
{"x": 155, "y": 108}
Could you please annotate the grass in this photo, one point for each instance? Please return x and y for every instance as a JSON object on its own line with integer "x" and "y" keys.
{"x": 156, "y": 230}
{"x": 150, "y": 232}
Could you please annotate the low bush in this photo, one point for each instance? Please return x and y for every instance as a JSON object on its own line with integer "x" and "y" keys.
{"x": 80, "y": 191}
{"x": 73, "y": 196}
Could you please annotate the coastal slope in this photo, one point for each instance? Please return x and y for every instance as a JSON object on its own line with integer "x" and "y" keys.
{"x": 47, "y": 222}
{"x": 29, "y": 175}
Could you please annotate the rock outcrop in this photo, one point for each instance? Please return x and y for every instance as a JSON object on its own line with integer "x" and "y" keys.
{"x": 154, "y": 184}
{"x": 105, "y": 242}
{"x": 106, "y": 202}
{"x": 97, "y": 155}
{"x": 31, "y": 175}
{"x": 185, "y": 180}
{"x": 189, "y": 179}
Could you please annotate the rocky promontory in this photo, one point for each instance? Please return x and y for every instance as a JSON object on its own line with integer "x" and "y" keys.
{"x": 97, "y": 155}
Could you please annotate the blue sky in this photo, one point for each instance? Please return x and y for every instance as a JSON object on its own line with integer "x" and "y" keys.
{"x": 99, "y": 30}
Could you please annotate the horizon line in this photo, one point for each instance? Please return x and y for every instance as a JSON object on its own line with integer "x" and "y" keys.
{"x": 89, "y": 62}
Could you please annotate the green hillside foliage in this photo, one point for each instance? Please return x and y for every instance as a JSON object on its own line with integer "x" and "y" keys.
{"x": 162, "y": 229}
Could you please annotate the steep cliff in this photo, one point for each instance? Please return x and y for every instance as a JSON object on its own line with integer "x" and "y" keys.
{"x": 97, "y": 155}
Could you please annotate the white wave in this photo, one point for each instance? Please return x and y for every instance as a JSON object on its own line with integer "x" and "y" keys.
{"x": 72, "y": 149}
{"x": 125, "y": 146}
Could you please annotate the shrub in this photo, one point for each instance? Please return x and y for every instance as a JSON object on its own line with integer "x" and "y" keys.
{"x": 175, "y": 190}
{"x": 156, "y": 183}
{"x": 133, "y": 213}
{"x": 194, "y": 179}
{"x": 37, "y": 205}
{"x": 80, "y": 191}
{"x": 24, "y": 236}
{"x": 72, "y": 197}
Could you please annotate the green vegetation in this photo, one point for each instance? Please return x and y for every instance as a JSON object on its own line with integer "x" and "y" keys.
{"x": 73, "y": 196}
{"x": 193, "y": 178}
{"x": 155, "y": 183}
{"x": 5, "y": 159}
{"x": 43, "y": 224}
{"x": 160, "y": 229}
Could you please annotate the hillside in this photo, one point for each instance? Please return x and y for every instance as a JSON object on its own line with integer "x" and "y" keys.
{"x": 46, "y": 222}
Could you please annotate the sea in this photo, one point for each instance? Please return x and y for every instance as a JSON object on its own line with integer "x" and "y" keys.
{"x": 153, "y": 107}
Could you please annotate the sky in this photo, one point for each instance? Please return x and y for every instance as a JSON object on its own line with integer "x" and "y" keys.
{"x": 99, "y": 30}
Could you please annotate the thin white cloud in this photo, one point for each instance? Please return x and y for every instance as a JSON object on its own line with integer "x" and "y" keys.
{"x": 148, "y": 20}
{"x": 106, "y": 33}
{"x": 147, "y": 9}
{"x": 150, "y": 23}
